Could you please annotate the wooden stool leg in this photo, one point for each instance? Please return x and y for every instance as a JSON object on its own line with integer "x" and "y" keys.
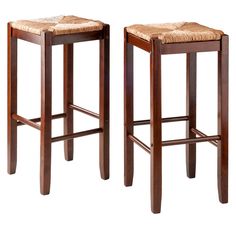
{"x": 155, "y": 122}
{"x": 68, "y": 99}
{"x": 223, "y": 120}
{"x": 46, "y": 103}
{"x": 191, "y": 112}
{"x": 12, "y": 102}
{"x": 128, "y": 112}
{"x": 104, "y": 93}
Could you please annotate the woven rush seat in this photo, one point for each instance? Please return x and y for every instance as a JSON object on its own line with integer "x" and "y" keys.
{"x": 175, "y": 32}
{"x": 58, "y": 25}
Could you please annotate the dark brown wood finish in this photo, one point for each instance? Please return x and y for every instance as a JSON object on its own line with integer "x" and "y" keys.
{"x": 139, "y": 143}
{"x": 25, "y": 121}
{"x": 83, "y": 110}
{"x": 76, "y": 135}
{"x": 211, "y": 139}
{"x": 35, "y": 120}
{"x": 104, "y": 94}
{"x": 32, "y": 38}
{"x": 12, "y": 102}
{"x": 163, "y": 120}
{"x": 138, "y": 42}
{"x": 68, "y": 99}
{"x": 128, "y": 112}
{"x": 191, "y": 93}
{"x": 191, "y": 47}
{"x": 156, "y": 129}
{"x": 46, "y": 109}
{"x": 190, "y": 140}
{"x": 78, "y": 37}
{"x": 201, "y": 134}
{"x": 223, "y": 120}
{"x": 58, "y": 39}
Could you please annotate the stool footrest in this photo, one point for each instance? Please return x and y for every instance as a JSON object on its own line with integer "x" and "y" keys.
{"x": 35, "y": 120}
{"x": 139, "y": 143}
{"x": 83, "y": 110}
{"x": 76, "y": 135}
{"x": 190, "y": 140}
{"x": 201, "y": 134}
{"x": 23, "y": 121}
{"x": 212, "y": 139}
{"x": 164, "y": 120}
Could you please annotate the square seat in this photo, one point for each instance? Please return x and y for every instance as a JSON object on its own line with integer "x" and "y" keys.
{"x": 58, "y": 25}
{"x": 175, "y": 32}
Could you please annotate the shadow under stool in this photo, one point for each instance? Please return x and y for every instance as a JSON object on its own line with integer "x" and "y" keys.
{"x": 47, "y": 32}
{"x": 163, "y": 39}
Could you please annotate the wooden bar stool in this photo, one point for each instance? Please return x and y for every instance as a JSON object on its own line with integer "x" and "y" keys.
{"x": 47, "y": 32}
{"x": 162, "y": 39}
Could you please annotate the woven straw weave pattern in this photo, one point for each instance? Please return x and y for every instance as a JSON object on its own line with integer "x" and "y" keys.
{"x": 58, "y": 25}
{"x": 175, "y": 32}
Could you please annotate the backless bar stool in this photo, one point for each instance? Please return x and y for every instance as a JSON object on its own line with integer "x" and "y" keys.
{"x": 162, "y": 39}
{"x": 47, "y": 32}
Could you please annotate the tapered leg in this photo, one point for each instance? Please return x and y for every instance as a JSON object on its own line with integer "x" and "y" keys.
{"x": 128, "y": 112}
{"x": 104, "y": 103}
{"x": 46, "y": 96}
{"x": 12, "y": 101}
{"x": 68, "y": 99}
{"x": 191, "y": 112}
{"x": 223, "y": 120}
{"x": 155, "y": 122}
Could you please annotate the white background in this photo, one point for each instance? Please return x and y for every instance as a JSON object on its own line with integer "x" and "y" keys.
{"x": 80, "y": 202}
